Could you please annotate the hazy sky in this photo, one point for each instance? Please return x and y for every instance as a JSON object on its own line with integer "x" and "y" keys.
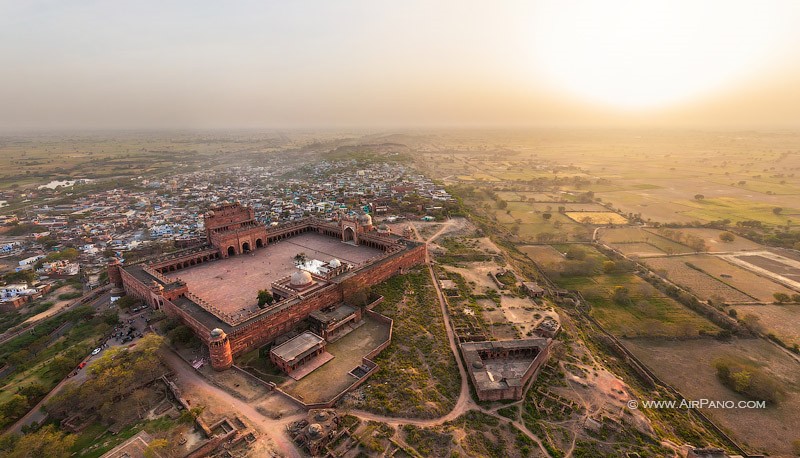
{"x": 213, "y": 64}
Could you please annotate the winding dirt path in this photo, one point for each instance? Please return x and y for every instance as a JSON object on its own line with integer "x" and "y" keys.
{"x": 192, "y": 382}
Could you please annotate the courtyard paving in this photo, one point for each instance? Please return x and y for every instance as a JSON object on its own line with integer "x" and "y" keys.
{"x": 232, "y": 284}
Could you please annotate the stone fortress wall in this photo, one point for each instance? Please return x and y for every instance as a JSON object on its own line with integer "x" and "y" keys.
{"x": 232, "y": 222}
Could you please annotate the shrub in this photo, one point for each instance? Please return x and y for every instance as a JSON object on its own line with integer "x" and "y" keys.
{"x": 749, "y": 381}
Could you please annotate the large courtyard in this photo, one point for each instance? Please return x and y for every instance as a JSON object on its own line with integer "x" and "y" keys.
{"x": 232, "y": 284}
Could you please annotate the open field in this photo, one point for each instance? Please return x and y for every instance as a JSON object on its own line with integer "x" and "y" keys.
{"x": 28, "y": 161}
{"x": 530, "y": 224}
{"x": 568, "y": 207}
{"x": 646, "y": 313}
{"x": 638, "y": 249}
{"x": 711, "y": 238}
{"x": 738, "y": 209}
{"x": 782, "y": 269}
{"x": 597, "y": 217}
{"x": 703, "y": 285}
{"x": 544, "y": 255}
{"x": 781, "y": 320}
{"x": 751, "y": 284}
{"x": 618, "y": 236}
{"x": 530, "y": 196}
{"x": 688, "y": 366}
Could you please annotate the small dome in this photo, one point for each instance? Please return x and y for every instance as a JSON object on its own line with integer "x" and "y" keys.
{"x": 477, "y": 365}
{"x": 217, "y": 332}
{"x": 314, "y": 430}
{"x": 365, "y": 219}
{"x": 300, "y": 278}
{"x": 210, "y": 213}
{"x": 335, "y": 263}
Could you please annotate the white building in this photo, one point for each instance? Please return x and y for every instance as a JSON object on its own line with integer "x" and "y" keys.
{"x": 9, "y": 291}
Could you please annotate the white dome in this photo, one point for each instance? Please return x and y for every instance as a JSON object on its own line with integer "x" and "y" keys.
{"x": 335, "y": 263}
{"x": 365, "y": 219}
{"x": 217, "y": 332}
{"x": 300, "y": 278}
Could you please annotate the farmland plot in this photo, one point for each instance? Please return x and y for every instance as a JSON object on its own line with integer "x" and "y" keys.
{"x": 701, "y": 284}
{"x": 753, "y": 285}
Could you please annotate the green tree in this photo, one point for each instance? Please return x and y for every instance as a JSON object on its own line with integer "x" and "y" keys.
{"x": 777, "y": 210}
{"x": 156, "y": 446}
{"x": 265, "y": 298}
{"x": 576, "y": 253}
{"x": 741, "y": 381}
{"x": 621, "y": 295}
{"x": 727, "y": 237}
{"x": 609, "y": 267}
{"x": 15, "y": 407}
{"x": 47, "y": 442}
{"x": 126, "y": 302}
{"x": 781, "y": 298}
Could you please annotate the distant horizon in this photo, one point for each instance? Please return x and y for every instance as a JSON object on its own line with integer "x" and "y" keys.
{"x": 375, "y": 65}
{"x": 395, "y": 130}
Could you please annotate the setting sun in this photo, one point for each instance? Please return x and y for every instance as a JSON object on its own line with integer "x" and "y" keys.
{"x": 638, "y": 55}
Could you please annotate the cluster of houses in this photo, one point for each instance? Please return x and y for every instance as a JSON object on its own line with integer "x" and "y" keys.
{"x": 110, "y": 222}
{"x": 16, "y": 295}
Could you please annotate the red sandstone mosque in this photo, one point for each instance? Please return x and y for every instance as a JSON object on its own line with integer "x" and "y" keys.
{"x": 213, "y": 288}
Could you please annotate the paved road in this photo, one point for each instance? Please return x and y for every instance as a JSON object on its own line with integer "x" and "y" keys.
{"x": 36, "y": 414}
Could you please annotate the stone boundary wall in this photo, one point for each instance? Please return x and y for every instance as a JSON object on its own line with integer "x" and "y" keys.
{"x": 366, "y": 361}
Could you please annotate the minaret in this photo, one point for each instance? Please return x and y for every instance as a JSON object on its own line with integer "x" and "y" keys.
{"x": 115, "y": 277}
{"x": 219, "y": 347}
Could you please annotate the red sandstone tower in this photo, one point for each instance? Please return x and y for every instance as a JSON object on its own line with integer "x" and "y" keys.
{"x": 115, "y": 277}
{"x": 219, "y": 348}
{"x": 232, "y": 228}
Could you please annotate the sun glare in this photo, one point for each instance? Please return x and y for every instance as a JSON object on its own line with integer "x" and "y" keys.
{"x": 645, "y": 54}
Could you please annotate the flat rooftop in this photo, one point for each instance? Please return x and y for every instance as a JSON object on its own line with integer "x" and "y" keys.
{"x": 293, "y": 348}
{"x": 339, "y": 313}
{"x": 232, "y": 284}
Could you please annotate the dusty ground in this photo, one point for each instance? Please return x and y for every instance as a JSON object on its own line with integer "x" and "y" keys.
{"x": 330, "y": 379}
{"x": 754, "y": 285}
{"x": 544, "y": 255}
{"x": 701, "y": 284}
{"x": 517, "y": 311}
{"x": 58, "y": 306}
{"x": 711, "y": 237}
{"x": 688, "y": 366}
{"x": 784, "y": 270}
{"x": 783, "y": 320}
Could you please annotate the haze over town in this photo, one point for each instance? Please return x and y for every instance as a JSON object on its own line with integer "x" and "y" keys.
{"x": 365, "y": 229}
{"x": 95, "y": 65}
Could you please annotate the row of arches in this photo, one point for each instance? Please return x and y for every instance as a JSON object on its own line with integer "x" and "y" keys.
{"x": 245, "y": 248}
{"x": 288, "y": 233}
{"x": 188, "y": 263}
{"x": 372, "y": 244}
